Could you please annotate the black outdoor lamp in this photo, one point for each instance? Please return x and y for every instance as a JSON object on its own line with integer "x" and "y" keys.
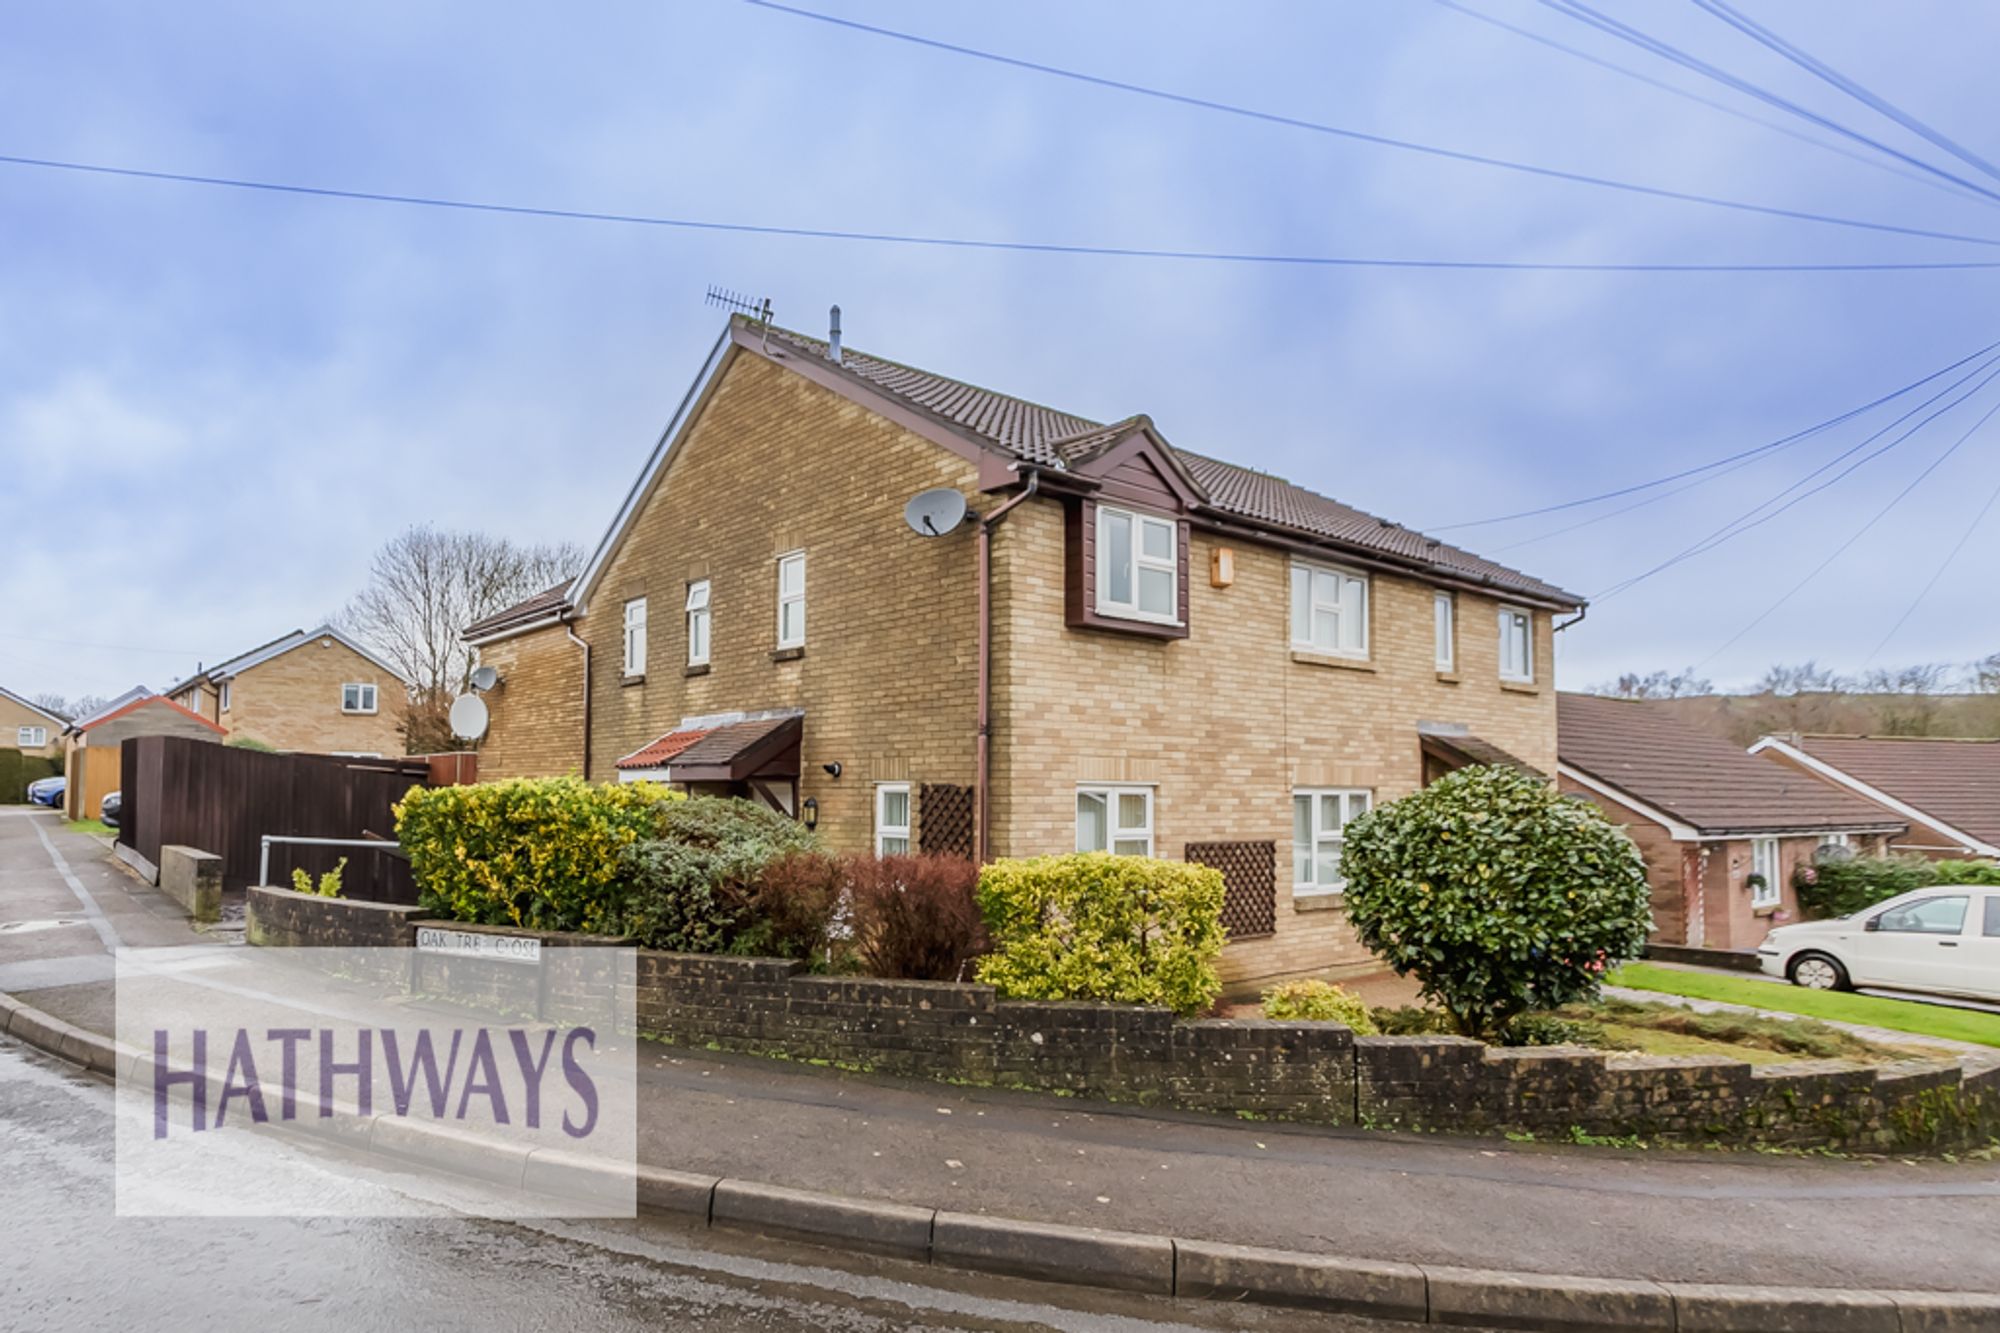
{"x": 809, "y": 813}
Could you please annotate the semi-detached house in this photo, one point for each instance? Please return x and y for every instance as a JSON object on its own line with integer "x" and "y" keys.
{"x": 1124, "y": 645}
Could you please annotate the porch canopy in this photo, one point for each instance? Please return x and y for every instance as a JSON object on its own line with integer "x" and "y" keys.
{"x": 1445, "y": 751}
{"x": 754, "y": 757}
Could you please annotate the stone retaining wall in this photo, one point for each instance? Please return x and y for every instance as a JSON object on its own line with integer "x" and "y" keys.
{"x": 192, "y": 878}
{"x": 283, "y": 917}
{"x": 1319, "y": 1072}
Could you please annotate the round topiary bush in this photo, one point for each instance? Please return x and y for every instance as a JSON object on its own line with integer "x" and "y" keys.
{"x": 1496, "y": 892}
{"x": 1316, "y": 1001}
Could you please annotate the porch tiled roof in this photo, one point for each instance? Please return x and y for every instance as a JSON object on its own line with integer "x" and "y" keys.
{"x": 656, "y": 753}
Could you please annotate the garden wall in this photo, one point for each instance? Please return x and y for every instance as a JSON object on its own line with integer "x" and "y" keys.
{"x": 1317, "y": 1072}
{"x": 281, "y": 917}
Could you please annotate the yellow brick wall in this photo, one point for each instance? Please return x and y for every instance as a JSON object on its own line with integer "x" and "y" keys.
{"x": 776, "y": 464}
{"x": 293, "y": 702}
{"x": 13, "y": 717}
{"x": 535, "y": 713}
{"x": 1225, "y": 722}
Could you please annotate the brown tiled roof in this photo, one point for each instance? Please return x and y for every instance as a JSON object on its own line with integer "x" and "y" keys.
{"x": 1957, "y": 781}
{"x": 1698, "y": 777}
{"x": 1049, "y": 438}
{"x": 1472, "y": 750}
{"x": 521, "y": 612}
{"x": 658, "y": 752}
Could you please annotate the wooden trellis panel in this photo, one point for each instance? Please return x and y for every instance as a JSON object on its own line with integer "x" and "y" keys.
{"x": 944, "y": 820}
{"x": 1250, "y": 884}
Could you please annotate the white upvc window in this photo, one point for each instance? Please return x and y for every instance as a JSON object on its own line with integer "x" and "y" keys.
{"x": 222, "y": 697}
{"x": 1138, "y": 566}
{"x": 31, "y": 738}
{"x": 357, "y": 698}
{"x": 1329, "y": 610}
{"x": 192, "y": 702}
{"x": 892, "y": 819}
{"x": 697, "y": 622}
{"x": 635, "y": 637}
{"x": 1115, "y": 819}
{"x": 1443, "y": 632}
{"x": 1835, "y": 840}
{"x": 1764, "y": 863}
{"x": 1517, "y": 644}
{"x": 792, "y": 600}
{"x": 1320, "y": 816}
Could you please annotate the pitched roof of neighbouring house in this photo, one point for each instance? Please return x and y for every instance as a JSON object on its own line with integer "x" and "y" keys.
{"x": 277, "y": 647}
{"x": 1697, "y": 777}
{"x": 1954, "y": 781}
{"x": 33, "y": 707}
{"x": 525, "y": 611}
{"x": 1047, "y": 437}
{"x": 148, "y": 700}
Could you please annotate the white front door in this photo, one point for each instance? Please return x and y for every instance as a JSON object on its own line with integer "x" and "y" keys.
{"x": 1916, "y": 946}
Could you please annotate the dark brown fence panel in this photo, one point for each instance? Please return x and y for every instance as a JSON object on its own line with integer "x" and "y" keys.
{"x": 180, "y": 791}
{"x": 1249, "y": 881}
{"x": 456, "y": 768}
{"x": 944, "y": 815}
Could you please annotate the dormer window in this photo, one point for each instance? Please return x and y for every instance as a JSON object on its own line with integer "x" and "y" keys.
{"x": 1138, "y": 566}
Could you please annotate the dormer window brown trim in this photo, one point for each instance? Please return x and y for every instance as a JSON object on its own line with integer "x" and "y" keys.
{"x": 1148, "y": 545}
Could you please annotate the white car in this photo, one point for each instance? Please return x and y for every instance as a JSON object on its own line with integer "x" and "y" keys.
{"x": 1944, "y": 940}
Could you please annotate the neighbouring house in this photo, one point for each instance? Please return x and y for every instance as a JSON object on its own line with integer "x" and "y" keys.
{"x": 1722, "y": 830}
{"x": 1947, "y": 790}
{"x": 314, "y": 691}
{"x": 1122, "y": 646}
{"x": 93, "y": 756}
{"x": 28, "y": 727}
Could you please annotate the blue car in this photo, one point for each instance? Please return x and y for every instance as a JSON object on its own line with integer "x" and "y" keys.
{"x": 48, "y": 791}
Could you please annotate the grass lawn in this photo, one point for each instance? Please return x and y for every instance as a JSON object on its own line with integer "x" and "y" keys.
{"x": 1926, "y": 1020}
{"x": 96, "y": 826}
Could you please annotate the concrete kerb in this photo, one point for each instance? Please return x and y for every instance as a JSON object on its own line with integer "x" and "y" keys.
{"x": 1127, "y": 1261}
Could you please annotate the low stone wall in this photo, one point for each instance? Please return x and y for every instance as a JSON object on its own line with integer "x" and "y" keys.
{"x": 1736, "y": 960}
{"x": 578, "y": 992}
{"x": 275, "y": 916}
{"x": 192, "y": 878}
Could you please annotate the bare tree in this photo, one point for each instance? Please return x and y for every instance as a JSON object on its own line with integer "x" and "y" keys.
{"x": 72, "y": 709}
{"x": 424, "y": 588}
{"x": 1682, "y": 684}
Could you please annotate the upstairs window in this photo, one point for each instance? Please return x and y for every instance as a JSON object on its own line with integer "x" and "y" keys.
{"x": 892, "y": 819}
{"x": 31, "y": 738}
{"x": 1115, "y": 819}
{"x": 357, "y": 698}
{"x": 1329, "y": 611}
{"x": 792, "y": 600}
{"x": 1517, "y": 644}
{"x": 1138, "y": 566}
{"x": 697, "y": 622}
{"x": 1442, "y": 613}
{"x": 222, "y": 697}
{"x": 635, "y": 637}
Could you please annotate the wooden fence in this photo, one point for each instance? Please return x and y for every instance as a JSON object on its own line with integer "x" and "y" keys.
{"x": 221, "y": 799}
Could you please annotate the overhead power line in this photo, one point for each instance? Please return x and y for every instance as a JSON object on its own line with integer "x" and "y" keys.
{"x": 1871, "y": 160}
{"x": 1583, "y": 13}
{"x": 978, "y": 243}
{"x": 1758, "y": 450}
{"x": 1825, "y": 72}
{"x": 1362, "y": 136}
{"x": 1758, "y": 515}
{"x": 1936, "y": 574}
{"x": 1852, "y": 538}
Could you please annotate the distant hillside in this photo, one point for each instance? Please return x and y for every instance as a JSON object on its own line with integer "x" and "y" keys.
{"x": 1745, "y": 717}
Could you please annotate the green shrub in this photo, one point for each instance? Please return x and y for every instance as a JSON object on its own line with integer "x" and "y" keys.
{"x": 1843, "y": 885}
{"x": 329, "y": 883}
{"x": 1554, "y": 1030}
{"x": 1983, "y": 873}
{"x": 251, "y": 743}
{"x": 1497, "y": 893}
{"x": 1093, "y": 926}
{"x": 690, "y": 884}
{"x": 1408, "y": 1020}
{"x": 1317, "y": 1002}
{"x": 541, "y": 853}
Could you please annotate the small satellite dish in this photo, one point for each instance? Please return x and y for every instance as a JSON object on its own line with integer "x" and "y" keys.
{"x": 468, "y": 717}
{"x": 484, "y": 678}
{"x": 935, "y": 512}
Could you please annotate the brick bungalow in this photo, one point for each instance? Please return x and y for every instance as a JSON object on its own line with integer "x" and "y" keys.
{"x": 1948, "y": 790}
{"x": 316, "y": 692}
{"x": 1708, "y": 817}
{"x": 1123, "y": 645}
{"x": 28, "y": 727}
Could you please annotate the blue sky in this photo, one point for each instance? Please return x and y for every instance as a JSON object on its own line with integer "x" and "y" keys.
{"x": 215, "y": 404}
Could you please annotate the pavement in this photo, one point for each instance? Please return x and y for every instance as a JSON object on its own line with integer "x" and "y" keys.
{"x": 1669, "y": 1216}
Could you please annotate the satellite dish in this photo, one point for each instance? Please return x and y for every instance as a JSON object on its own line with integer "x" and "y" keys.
{"x": 484, "y": 678}
{"x": 935, "y": 512}
{"x": 468, "y": 717}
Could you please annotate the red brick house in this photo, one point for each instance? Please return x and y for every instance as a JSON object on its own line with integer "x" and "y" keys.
{"x": 1722, "y": 831}
{"x": 1947, "y": 790}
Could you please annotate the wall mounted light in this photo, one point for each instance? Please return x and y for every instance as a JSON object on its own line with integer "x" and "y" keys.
{"x": 832, "y": 769}
{"x": 809, "y": 813}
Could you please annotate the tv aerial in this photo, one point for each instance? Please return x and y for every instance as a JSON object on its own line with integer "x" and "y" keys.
{"x": 935, "y": 512}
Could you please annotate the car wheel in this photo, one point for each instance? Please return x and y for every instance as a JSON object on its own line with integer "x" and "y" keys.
{"x": 1816, "y": 971}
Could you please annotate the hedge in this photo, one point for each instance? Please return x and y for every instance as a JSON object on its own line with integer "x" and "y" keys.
{"x": 1093, "y": 926}
{"x": 1843, "y": 885}
{"x": 17, "y": 770}
{"x": 540, "y": 853}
